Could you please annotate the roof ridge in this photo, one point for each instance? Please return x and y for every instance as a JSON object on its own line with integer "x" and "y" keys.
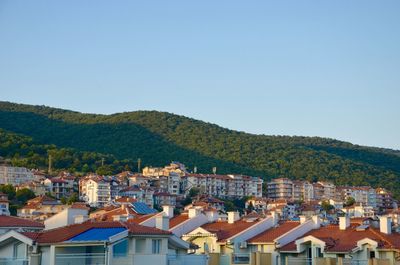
{"x": 382, "y": 237}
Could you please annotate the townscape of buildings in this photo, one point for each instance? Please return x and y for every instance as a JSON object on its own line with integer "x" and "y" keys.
{"x": 145, "y": 219}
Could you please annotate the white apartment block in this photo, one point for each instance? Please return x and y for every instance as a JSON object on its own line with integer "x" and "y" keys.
{"x": 15, "y": 175}
{"x": 298, "y": 190}
{"x": 95, "y": 191}
{"x": 281, "y": 188}
{"x": 225, "y": 186}
{"x": 363, "y": 195}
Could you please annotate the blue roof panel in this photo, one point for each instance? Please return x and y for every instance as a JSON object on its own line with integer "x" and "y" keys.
{"x": 142, "y": 208}
{"x": 98, "y": 234}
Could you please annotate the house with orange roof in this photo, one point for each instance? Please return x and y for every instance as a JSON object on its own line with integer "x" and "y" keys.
{"x": 345, "y": 243}
{"x": 106, "y": 243}
{"x": 229, "y": 236}
{"x": 40, "y": 208}
{"x": 8, "y": 223}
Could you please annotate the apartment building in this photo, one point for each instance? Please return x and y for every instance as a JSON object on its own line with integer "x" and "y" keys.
{"x": 4, "y": 204}
{"x": 15, "y": 175}
{"x": 95, "y": 191}
{"x": 384, "y": 198}
{"x": 144, "y": 195}
{"x": 225, "y": 186}
{"x": 175, "y": 167}
{"x": 363, "y": 195}
{"x": 59, "y": 187}
{"x": 281, "y": 188}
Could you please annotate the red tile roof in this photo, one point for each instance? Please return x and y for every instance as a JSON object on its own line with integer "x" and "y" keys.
{"x": 11, "y": 221}
{"x": 67, "y": 232}
{"x": 345, "y": 240}
{"x": 271, "y": 234}
{"x": 141, "y": 218}
{"x": 125, "y": 200}
{"x": 224, "y": 230}
{"x": 80, "y": 205}
{"x": 109, "y": 215}
{"x": 176, "y": 220}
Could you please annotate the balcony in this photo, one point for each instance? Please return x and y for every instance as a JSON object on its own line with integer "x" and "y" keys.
{"x": 13, "y": 261}
{"x": 81, "y": 259}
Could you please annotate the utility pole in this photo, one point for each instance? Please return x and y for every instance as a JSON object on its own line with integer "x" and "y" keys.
{"x": 49, "y": 170}
{"x": 139, "y": 161}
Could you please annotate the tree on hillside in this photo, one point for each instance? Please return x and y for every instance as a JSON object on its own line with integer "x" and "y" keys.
{"x": 23, "y": 195}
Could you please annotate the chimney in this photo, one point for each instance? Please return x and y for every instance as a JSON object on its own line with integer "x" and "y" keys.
{"x": 193, "y": 212}
{"x": 303, "y": 219}
{"x": 275, "y": 217}
{"x": 385, "y": 224}
{"x": 233, "y": 217}
{"x": 168, "y": 210}
{"x": 344, "y": 222}
{"x": 316, "y": 220}
{"x": 212, "y": 215}
{"x": 162, "y": 222}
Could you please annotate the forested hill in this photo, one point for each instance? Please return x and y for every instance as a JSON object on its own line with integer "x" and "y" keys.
{"x": 159, "y": 137}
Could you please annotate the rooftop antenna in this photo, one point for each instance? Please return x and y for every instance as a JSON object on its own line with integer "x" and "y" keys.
{"x": 139, "y": 161}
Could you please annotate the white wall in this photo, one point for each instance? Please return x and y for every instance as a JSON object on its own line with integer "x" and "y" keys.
{"x": 254, "y": 230}
{"x": 296, "y": 232}
{"x": 189, "y": 225}
{"x": 66, "y": 217}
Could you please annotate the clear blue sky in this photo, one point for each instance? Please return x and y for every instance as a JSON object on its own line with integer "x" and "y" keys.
{"x": 313, "y": 68}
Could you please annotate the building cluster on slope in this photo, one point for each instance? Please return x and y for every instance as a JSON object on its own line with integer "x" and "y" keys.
{"x": 295, "y": 222}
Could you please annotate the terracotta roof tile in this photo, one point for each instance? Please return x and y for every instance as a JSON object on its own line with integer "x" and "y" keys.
{"x": 67, "y": 232}
{"x": 176, "y": 220}
{"x": 271, "y": 234}
{"x": 345, "y": 240}
{"x": 11, "y": 221}
{"x": 224, "y": 230}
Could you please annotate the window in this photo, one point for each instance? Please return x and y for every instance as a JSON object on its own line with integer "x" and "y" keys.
{"x": 372, "y": 254}
{"x": 240, "y": 258}
{"x": 140, "y": 245}
{"x": 156, "y": 246}
{"x": 318, "y": 252}
{"x": 19, "y": 251}
{"x": 120, "y": 249}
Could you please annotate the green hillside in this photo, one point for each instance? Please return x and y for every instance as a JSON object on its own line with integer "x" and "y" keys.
{"x": 159, "y": 137}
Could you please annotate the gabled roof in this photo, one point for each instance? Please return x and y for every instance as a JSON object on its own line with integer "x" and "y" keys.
{"x": 178, "y": 219}
{"x": 269, "y": 235}
{"x": 66, "y": 233}
{"x": 224, "y": 230}
{"x": 11, "y": 221}
{"x": 337, "y": 240}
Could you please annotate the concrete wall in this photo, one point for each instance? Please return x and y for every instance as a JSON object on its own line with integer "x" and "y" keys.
{"x": 149, "y": 259}
{"x": 66, "y": 217}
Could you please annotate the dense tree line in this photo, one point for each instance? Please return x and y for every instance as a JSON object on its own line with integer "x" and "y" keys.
{"x": 158, "y": 137}
{"x": 19, "y": 150}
